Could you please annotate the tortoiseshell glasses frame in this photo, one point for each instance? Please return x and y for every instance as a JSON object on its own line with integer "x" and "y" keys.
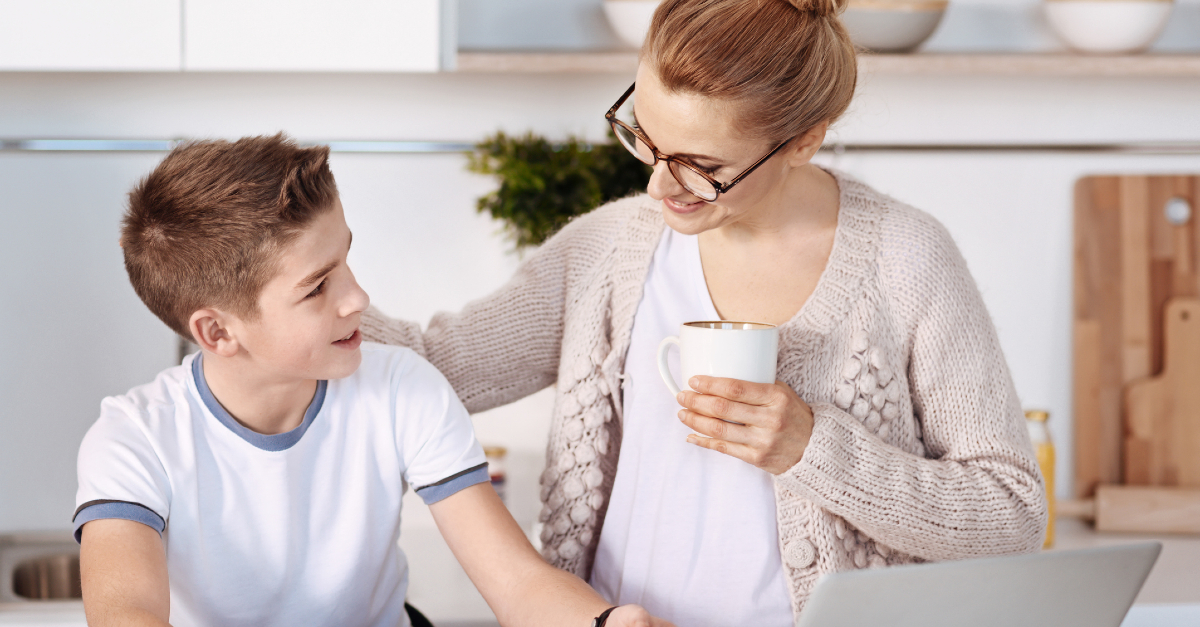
{"x": 691, "y": 177}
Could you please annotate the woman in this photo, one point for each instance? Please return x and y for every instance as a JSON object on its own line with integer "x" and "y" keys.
{"x": 894, "y": 434}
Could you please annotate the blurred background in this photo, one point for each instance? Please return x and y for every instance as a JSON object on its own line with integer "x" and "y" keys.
{"x": 986, "y": 121}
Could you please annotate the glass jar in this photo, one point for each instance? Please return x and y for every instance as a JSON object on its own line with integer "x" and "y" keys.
{"x": 496, "y": 472}
{"x": 1043, "y": 447}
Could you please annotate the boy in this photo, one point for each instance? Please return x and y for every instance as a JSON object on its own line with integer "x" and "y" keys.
{"x": 260, "y": 482}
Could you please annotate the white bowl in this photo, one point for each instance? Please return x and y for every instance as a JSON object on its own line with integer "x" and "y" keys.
{"x": 896, "y": 26}
{"x": 630, "y": 19}
{"x": 1110, "y": 26}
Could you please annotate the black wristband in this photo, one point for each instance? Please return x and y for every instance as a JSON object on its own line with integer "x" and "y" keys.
{"x": 600, "y": 620}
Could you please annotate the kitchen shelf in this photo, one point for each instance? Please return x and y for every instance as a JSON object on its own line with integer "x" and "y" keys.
{"x": 997, "y": 64}
{"x": 1048, "y": 64}
{"x": 619, "y": 62}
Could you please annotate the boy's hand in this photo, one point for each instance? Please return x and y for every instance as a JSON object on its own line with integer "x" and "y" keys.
{"x": 519, "y": 586}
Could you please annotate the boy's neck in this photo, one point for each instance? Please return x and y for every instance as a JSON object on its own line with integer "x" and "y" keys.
{"x": 263, "y": 403}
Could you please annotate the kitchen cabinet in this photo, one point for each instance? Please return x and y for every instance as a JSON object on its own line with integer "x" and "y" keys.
{"x": 68, "y": 35}
{"x": 228, "y": 35}
{"x": 317, "y": 35}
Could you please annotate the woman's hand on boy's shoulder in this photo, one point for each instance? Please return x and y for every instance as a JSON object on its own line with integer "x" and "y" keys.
{"x": 634, "y": 616}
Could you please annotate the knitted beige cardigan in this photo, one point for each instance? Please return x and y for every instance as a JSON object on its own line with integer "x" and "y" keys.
{"x": 919, "y": 449}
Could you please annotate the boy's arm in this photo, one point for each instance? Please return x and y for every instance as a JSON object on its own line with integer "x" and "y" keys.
{"x": 520, "y": 587}
{"x": 124, "y": 570}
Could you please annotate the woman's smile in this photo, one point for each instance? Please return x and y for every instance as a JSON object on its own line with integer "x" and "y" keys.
{"x": 683, "y": 208}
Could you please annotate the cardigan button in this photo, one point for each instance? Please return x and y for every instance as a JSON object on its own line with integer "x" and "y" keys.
{"x": 801, "y": 554}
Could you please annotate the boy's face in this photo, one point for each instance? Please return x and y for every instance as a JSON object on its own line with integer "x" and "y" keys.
{"x": 310, "y": 311}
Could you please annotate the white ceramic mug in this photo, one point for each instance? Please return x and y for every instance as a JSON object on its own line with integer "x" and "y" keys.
{"x": 735, "y": 350}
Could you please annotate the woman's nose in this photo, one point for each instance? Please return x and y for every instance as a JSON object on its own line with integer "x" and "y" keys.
{"x": 663, "y": 183}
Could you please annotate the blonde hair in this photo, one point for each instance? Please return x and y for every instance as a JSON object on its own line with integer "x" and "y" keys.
{"x": 789, "y": 65}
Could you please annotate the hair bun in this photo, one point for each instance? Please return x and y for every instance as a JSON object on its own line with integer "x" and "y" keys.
{"x": 820, "y": 8}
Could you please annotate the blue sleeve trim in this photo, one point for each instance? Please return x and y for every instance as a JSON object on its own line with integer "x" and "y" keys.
{"x": 435, "y": 492}
{"x": 124, "y": 510}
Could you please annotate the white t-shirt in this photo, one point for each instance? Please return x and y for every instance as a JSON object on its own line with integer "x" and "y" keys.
{"x": 690, "y": 533}
{"x": 298, "y": 528}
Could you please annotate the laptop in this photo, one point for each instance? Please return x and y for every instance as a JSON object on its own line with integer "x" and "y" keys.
{"x": 1080, "y": 588}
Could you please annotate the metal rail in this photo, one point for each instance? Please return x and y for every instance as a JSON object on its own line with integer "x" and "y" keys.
{"x": 164, "y": 145}
{"x": 448, "y": 147}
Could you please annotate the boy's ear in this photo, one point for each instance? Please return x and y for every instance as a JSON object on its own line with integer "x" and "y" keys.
{"x": 210, "y": 330}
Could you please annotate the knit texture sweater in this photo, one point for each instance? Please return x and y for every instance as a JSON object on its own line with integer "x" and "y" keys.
{"x": 919, "y": 451}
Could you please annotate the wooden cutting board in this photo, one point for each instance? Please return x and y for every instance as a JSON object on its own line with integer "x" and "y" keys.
{"x": 1145, "y": 509}
{"x": 1130, "y": 259}
{"x": 1162, "y": 413}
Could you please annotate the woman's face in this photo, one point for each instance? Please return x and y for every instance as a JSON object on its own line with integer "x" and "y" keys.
{"x": 705, "y": 132}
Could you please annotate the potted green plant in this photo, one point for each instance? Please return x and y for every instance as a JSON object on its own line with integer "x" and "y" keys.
{"x": 543, "y": 184}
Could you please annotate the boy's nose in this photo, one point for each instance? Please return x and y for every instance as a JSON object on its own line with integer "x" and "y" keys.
{"x": 357, "y": 300}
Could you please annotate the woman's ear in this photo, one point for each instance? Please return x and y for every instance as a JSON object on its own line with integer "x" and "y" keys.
{"x": 805, "y": 147}
{"x": 210, "y": 330}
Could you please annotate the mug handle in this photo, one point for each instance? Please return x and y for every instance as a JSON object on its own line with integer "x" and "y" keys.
{"x": 663, "y": 369}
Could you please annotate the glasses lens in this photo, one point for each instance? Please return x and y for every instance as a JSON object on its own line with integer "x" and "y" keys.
{"x": 635, "y": 145}
{"x": 693, "y": 181}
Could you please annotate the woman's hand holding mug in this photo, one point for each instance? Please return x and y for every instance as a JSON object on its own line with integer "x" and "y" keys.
{"x": 735, "y": 400}
{"x": 775, "y": 423}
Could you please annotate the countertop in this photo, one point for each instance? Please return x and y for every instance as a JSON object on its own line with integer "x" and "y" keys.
{"x": 440, "y": 588}
{"x": 1175, "y": 578}
{"x": 72, "y": 616}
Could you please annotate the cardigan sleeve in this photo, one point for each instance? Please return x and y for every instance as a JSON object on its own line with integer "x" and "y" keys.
{"x": 506, "y": 346}
{"x": 977, "y": 490}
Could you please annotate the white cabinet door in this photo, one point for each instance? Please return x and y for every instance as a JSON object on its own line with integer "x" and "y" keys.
{"x": 72, "y": 35}
{"x": 316, "y": 35}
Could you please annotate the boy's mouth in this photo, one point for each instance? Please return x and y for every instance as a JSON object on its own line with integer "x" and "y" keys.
{"x": 350, "y": 341}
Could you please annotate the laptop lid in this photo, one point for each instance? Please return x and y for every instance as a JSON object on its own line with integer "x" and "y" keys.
{"x": 1085, "y": 588}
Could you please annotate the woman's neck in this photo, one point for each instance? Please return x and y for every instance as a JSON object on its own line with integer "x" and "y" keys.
{"x": 804, "y": 205}
{"x": 766, "y": 267}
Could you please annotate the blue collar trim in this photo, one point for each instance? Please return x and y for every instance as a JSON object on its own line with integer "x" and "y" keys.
{"x": 274, "y": 443}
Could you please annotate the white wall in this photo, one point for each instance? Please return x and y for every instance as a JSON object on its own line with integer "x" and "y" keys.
{"x": 1020, "y": 25}
{"x": 70, "y": 319}
{"x": 75, "y": 332}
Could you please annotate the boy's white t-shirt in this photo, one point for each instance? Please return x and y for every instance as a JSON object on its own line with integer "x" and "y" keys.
{"x": 298, "y": 528}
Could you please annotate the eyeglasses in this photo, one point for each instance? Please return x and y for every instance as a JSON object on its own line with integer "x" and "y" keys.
{"x": 693, "y": 179}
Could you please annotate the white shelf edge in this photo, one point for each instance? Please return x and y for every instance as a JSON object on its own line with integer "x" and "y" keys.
{"x": 983, "y": 64}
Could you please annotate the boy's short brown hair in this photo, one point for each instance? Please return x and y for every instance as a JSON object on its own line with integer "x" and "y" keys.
{"x": 206, "y": 227}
